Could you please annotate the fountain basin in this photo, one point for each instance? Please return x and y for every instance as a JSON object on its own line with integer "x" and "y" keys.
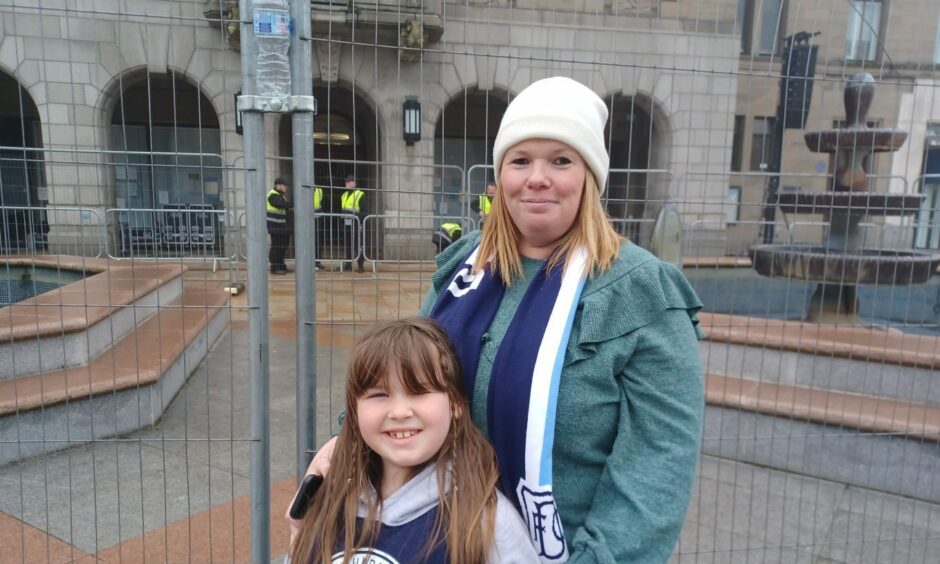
{"x": 860, "y": 203}
{"x": 867, "y": 266}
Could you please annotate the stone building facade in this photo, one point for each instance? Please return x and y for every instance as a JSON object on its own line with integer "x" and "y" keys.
{"x": 132, "y": 105}
{"x": 898, "y": 42}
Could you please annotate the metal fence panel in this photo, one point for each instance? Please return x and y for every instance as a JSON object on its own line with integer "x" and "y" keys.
{"x": 148, "y": 405}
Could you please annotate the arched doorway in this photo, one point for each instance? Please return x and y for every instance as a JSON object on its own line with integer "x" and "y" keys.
{"x": 167, "y": 143}
{"x": 22, "y": 175}
{"x": 637, "y": 143}
{"x": 464, "y": 137}
{"x": 346, "y": 141}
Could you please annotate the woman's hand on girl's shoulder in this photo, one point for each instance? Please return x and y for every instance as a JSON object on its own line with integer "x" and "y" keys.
{"x": 319, "y": 465}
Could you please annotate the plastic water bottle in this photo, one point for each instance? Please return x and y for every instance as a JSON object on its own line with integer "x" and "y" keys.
{"x": 272, "y": 28}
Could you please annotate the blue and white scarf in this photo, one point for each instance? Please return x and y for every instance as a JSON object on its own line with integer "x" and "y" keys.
{"x": 523, "y": 387}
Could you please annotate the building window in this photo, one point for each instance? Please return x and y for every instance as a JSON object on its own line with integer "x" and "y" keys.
{"x": 768, "y": 17}
{"x": 737, "y": 143}
{"x": 733, "y": 204}
{"x": 936, "y": 49}
{"x": 743, "y": 24}
{"x": 762, "y": 141}
{"x": 928, "y": 221}
{"x": 771, "y": 26}
{"x": 861, "y": 40}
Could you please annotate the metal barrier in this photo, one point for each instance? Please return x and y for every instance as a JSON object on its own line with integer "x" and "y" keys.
{"x": 477, "y": 177}
{"x": 157, "y": 468}
{"x": 416, "y": 232}
{"x": 630, "y": 228}
{"x": 709, "y": 238}
{"x": 175, "y": 232}
{"x": 339, "y": 237}
{"x": 59, "y": 230}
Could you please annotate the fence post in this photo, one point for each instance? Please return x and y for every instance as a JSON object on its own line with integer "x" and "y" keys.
{"x": 258, "y": 348}
{"x": 305, "y": 243}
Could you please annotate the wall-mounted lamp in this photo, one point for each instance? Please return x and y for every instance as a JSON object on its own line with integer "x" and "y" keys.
{"x": 411, "y": 121}
{"x": 238, "y": 114}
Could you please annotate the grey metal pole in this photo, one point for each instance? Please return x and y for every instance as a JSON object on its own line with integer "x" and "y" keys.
{"x": 258, "y": 349}
{"x": 304, "y": 237}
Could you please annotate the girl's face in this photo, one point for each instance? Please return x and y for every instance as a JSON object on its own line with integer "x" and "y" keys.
{"x": 406, "y": 430}
{"x": 542, "y": 181}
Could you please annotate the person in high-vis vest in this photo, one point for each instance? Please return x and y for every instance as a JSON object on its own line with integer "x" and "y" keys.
{"x": 352, "y": 204}
{"x": 278, "y": 226}
{"x": 446, "y": 234}
{"x": 318, "y": 232}
{"x": 484, "y": 202}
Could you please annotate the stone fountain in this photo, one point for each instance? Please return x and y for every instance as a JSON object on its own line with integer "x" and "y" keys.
{"x": 842, "y": 262}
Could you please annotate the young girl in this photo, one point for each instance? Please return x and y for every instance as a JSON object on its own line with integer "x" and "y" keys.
{"x": 411, "y": 478}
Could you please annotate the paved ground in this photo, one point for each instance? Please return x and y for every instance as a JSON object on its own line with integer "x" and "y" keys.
{"x": 178, "y": 492}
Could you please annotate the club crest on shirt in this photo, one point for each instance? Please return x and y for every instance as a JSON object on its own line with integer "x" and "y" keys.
{"x": 543, "y": 522}
{"x": 366, "y": 556}
{"x": 464, "y": 282}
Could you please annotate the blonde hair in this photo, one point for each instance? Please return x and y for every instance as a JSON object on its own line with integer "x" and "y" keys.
{"x": 499, "y": 244}
{"x": 426, "y": 361}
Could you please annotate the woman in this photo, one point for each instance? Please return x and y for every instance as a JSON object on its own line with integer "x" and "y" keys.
{"x": 579, "y": 350}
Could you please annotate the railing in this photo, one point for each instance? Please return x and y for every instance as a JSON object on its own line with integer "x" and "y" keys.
{"x": 417, "y": 231}
{"x": 201, "y": 231}
{"x": 174, "y": 232}
{"x": 29, "y": 229}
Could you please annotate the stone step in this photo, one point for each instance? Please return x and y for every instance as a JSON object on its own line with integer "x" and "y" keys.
{"x": 121, "y": 390}
{"x": 827, "y": 407}
{"x": 868, "y": 441}
{"x": 861, "y": 360}
{"x": 70, "y": 325}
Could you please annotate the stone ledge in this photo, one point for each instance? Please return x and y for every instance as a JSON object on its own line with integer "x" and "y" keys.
{"x": 77, "y": 306}
{"x": 137, "y": 360}
{"x": 721, "y": 262}
{"x": 829, "y": 407}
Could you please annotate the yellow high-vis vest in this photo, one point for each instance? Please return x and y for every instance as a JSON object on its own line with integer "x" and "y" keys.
{"x": 275, "y": 214}
{"x": 485, "y": 204}
{"x": 451, "y": 229}
{"x": 350, "y": 200}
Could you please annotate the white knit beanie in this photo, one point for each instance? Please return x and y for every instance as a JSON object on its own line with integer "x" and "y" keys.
{"x": 562, "y": 109}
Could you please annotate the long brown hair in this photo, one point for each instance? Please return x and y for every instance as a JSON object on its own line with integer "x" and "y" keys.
{"x": 425, "y": 359}
{"x": 499, "y": 244}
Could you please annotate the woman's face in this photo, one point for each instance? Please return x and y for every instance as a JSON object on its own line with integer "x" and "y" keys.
{"x": 542, "y": 181}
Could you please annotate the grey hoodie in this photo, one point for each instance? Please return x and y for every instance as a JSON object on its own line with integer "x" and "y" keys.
{"x": 420, "y": 494}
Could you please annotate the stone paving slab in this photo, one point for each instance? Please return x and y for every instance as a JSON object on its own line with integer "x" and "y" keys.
{"x": 178, "y": 491}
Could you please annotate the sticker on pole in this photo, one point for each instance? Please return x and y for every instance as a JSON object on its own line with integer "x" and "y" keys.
{"x": 272, "y": 22}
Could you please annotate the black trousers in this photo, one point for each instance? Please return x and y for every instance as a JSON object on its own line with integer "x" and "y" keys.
{"x": 441, "y": 241}
{"x": 319, "y": 229}
{"x": 280, "y": 240}
{"x": 351, "y": 240}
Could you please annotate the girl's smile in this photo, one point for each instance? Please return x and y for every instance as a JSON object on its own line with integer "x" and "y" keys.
{"x": 406, "y": 430}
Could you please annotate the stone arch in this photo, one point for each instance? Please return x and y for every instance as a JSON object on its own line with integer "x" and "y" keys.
{"x": 348, "y": 140}
{"x": 110, "y": 93}
{"x": 361, "y": 119}
{"x": 164, "y": 135}
{"x": 22, "y": 175}
{"x": 464, "y": 131}
{"x": 639, "y": 139}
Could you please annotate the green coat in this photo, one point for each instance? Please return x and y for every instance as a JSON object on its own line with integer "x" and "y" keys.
{"x": 629, "y": 421}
